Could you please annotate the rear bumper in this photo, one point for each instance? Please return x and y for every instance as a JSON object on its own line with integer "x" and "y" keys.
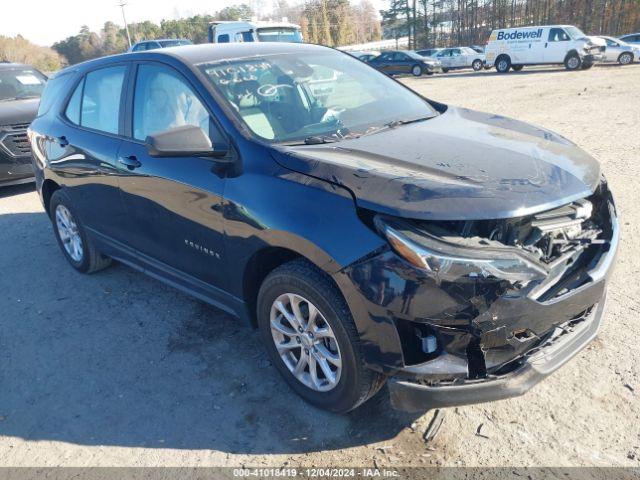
{"x": 412, "y": 396}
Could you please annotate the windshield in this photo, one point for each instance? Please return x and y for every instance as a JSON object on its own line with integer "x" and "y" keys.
{"x": 279, "y": 34}
{"x": 575, "y": 33}
{"x": 16, "y": 84}
{"x": 291, "y": 97}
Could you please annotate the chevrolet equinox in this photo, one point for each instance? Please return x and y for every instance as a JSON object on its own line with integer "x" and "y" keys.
{"x": 372, "y": 235}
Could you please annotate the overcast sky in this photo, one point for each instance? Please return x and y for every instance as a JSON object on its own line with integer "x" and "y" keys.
{"x": 47, "y": 21}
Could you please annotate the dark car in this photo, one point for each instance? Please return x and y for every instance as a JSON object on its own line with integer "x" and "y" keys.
{"x": 159, "y": 43}
{"x": 404, "y": 62}
{"x": 632, "y": 38}
{"x": 370, "y": 234}
{"x": 20, "y": 90}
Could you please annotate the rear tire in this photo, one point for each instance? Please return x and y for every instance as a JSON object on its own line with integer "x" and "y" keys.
{"x": 573, "y": 62}
{"x": 298, "y": 286}
{"x": 625, "y": 58}
{"x": 445, "y": 70}
{"x": 416, "y": 70}
{"x": 503, "y": 63}
{"x": 72, "y": 237}
{"x": 517, "y": 68}
{"x": 586, "y": 65}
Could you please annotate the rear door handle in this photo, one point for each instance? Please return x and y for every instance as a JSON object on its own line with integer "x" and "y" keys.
{"x": 130, "y": 162}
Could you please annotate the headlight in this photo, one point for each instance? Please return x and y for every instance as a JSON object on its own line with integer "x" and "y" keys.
{"x": 446, "y": 261}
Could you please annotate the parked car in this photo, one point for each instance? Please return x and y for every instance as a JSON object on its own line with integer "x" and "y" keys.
{"x": 429, "y": 52}
{"x": 20, "y": 90}
{"x": 461, "y": 272}
{"x": 460, "y": 57}
{"x": 619, "y": 51}
{"x": 395, "y": 62}
{"x": 258, "y": 31}
{"x": 513, "y": 48}
{"x": 632, "y": 38}
{"x": 365, "y": 56}
{"x": 159, "y": 43}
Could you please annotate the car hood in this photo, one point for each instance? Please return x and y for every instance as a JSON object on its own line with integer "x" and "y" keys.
{"x": 460, "y": 165}
{"x": 18, "y": 111}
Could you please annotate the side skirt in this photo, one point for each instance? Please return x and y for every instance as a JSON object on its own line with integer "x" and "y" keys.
{"x": 171, "y": 276}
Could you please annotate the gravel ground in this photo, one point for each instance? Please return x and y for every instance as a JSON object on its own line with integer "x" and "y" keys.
{"x": 116, "y": 369}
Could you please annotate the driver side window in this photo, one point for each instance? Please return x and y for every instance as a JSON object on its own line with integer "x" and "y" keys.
{"x": 558, "y": 35}
{"x": 163, "y": 100}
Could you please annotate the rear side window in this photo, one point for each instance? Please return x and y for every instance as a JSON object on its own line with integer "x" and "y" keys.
{"x": 73, "y": 107}
{"x": 95, "y": 103}
{"x": 224, "y": 38}
{"x": 140, "y": 47}
{"x": 52, "y": 92}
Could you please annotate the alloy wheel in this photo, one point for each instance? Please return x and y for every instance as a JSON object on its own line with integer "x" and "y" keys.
{"x": 573, "y": 62}
{"x": 305, "y": 342}
{"x": 69, "y": 233}
{"x": 625, "y": 59}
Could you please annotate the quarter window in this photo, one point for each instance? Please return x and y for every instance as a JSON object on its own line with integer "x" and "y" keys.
{"x": 163, "y": 100}
{"x": 95, "y": 103}
{"x": 224, "y": 38}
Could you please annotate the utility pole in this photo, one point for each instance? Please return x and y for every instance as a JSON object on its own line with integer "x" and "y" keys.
{"x": 122, "y": 4}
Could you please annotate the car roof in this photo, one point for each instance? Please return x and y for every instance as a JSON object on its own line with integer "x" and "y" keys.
{"x": 164, "y": 40}
{"x": 10, "y": 66}
{"x": 206, "y": 53}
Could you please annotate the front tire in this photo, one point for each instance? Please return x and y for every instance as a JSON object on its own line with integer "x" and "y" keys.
{"x": 416, "y": 70}
{"x": 573, "y": 62}
{"x": 476, "y": 65}
{"x": 503, "y": 64}
{"x": 625, "y": 58}
{"x": 72, "y": 238}
{"x": 517, "y": 68}
{"x": 312, "y": 340}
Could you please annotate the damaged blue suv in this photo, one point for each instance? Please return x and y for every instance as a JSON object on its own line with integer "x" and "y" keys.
{"x": 372, "y": 235}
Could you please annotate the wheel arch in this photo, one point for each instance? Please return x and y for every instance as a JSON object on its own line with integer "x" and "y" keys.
{"x": 626, "y": 53}
{"x": 48, "y": 187}
{"x": 259, "y": 265}
{"x": 571, "y": 53}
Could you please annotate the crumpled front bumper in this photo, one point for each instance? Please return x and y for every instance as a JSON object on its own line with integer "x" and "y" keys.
{"x": 493, "y": 340}
{"x": 413, "y": 396}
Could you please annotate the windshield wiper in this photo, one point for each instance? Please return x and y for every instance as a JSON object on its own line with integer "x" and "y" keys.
{"x": 394, "y": 124}
{"x": 317, "y": 140}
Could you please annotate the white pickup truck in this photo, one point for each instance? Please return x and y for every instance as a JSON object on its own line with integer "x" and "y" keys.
{"x": 513, "y": 48}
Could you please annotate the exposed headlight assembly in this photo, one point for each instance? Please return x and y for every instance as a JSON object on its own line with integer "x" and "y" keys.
{"x": 446, "y": 261}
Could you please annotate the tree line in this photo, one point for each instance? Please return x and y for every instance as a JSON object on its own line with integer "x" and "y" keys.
{"x": 328, "y": 22}
{"x": 441, "y": 23}
{"x": 20, "y": 50}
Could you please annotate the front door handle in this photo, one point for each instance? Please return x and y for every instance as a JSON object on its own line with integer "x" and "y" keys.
{"x": 130, "y": 162}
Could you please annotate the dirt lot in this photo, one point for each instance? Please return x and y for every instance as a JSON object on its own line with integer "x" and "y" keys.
{"x": 117, "y": 369}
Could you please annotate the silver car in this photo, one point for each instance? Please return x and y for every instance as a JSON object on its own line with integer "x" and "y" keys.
{"x": 460, "y": 57}
{"x": 620, "y": 51}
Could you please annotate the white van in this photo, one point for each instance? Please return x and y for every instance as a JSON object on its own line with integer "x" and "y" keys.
{"x": 240, "y": 31}
{"x": 513, "y": 48}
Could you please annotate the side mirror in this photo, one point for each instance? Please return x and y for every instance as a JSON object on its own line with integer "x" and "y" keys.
{"x": 185, "y": 141}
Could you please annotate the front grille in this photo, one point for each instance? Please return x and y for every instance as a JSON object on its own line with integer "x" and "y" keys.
{"x": 15, "y": 140}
